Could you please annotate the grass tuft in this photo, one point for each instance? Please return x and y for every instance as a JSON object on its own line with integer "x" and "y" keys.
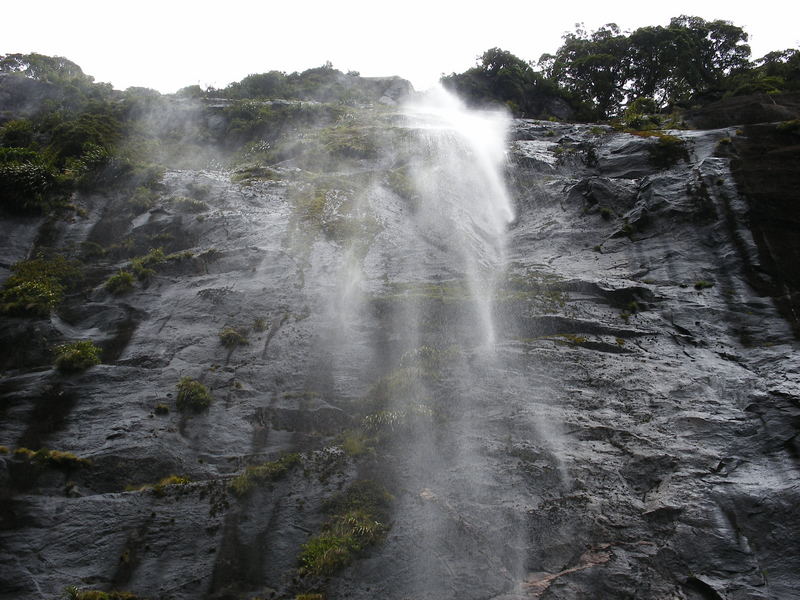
{"x": 358, "y": 520}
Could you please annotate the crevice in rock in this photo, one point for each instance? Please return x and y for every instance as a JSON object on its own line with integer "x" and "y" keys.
{"x": 701, "y": 589}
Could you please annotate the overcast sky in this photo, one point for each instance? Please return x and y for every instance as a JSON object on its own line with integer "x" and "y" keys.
{"x": 170, "y": 44}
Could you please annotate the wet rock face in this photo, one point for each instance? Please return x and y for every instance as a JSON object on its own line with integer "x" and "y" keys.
{"x": 634, "y": 434}
{"x": 764, "y": 165}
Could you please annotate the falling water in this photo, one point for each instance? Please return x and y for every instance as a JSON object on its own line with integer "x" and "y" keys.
{"x": 414, "y": 319}
{"x": 458, "y": 172}
{"x": 456, "y": 246}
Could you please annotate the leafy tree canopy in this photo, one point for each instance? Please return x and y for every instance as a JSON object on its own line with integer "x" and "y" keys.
{"x": 499, "y": 76}
{"x": 607, "y": 69}
{"x": 322, "y": 84}
{"x": 602, "y": 73}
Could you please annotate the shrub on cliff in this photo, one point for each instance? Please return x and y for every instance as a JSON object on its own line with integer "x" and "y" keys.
{"x": 27, "y": 187}
{"x": 160, "y": 488}
{"x": 193, "y": 396}
{"x": 230, "y": 337}
{"x": 120, "y": 283}
{"x": 77, "y": 356}
{"x": 37, "y": 286}
{"x": 17, "y": 133}
{"x": 142, "y": 266}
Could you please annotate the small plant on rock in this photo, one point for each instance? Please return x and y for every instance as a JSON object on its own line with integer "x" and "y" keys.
{"x": 52, "y": 458}
{"x": 356, "y": 443}
{"x": 628, "y": 229}
{"x": 159, "y": 489}
{"x": 243, "y": 484}
{"x": 120, "y": 283}
{"x": 357, "y": 521}
{"x": 142, "y": 266}
{"x": 73, "y": 593}
{"x": 232, "y": 337}
{"x": 189, "y": 205}
{"x": 792, "y": 126}
{"x": 667, "y": 151}
{"x": 77, "y": 356}
{"x": 142, "y": 199}
{"x": 193, "y": 396}
{"x": 199, "y": 190}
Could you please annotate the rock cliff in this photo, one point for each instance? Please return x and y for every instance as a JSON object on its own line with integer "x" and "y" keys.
{"x": 634, "y": 434}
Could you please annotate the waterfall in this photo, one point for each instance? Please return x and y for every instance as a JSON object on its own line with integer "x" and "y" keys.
{"x": 458, "y": 171}
{"x": 444, "y": 256}
{"x": 408, "y": 299}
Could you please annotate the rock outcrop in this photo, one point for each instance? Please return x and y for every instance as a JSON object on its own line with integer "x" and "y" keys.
{"x": 746, "y": 110}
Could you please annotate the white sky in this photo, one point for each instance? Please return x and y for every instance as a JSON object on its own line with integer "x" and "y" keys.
{"x": 170, "y": 44}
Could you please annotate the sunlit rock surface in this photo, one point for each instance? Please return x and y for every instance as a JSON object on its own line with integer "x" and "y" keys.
{"x": 632, "y": 434}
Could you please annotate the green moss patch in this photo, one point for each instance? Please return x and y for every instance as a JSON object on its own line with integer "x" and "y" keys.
{"x": 667, "y": 151}
{"x": 52, "y": 458}
{"x": 143, "y": 266}
{"x": 163, "y": 485}
{"x": 401, "y": 182}
{"x": 243, "y": 484}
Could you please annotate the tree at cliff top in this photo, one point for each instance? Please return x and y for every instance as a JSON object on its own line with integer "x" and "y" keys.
{"x": 591, "y": 67}
{"x": 53, "y": 69}
{"x": 61, "y": 130}
{"x": 776, "y": 72}
{"x": 599, "y": 73}
{"x": 688, "y": 59}
{"x": 321, "y": 84}
{"x": 499, "y": 76}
